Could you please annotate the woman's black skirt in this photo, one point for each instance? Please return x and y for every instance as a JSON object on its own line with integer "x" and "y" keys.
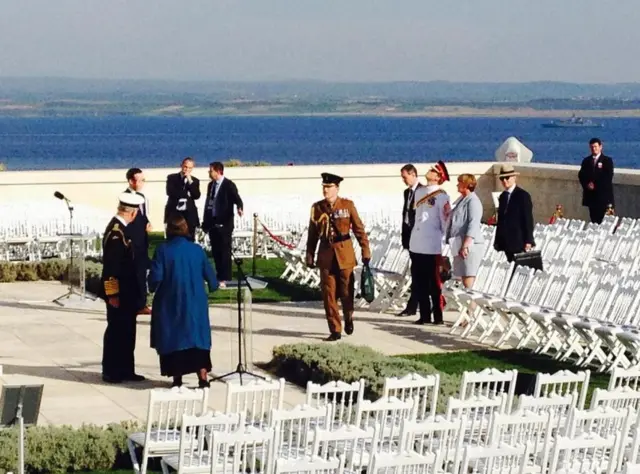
{"x": 187, "y": 361}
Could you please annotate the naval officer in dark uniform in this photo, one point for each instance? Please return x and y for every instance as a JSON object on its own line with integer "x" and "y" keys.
{"x": 121, "y": 292}
{"x": 138, "y": 232}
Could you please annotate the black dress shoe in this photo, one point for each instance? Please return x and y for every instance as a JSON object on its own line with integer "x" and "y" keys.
{"x": 437, "y": 323}
{"x": 110, "y": 379}
{"x": 421, "y": 322}
{"x": 334, "y": 336}
{"x": 135, "y": 378}
{"x": 348, "y": 327}
{"x": 204, "y": 384}
{"x": 406, "y": 312}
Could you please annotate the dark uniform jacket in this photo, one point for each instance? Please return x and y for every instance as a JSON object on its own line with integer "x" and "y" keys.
{"x": 600, "y": 174}
{"x": 136, "y": 232}
{"x": 118, "y": 273}
{"x": 408, "y": 211}
{"x": 515, "y": 222}
{"x": 227, "y": 196}
{"x": 183, "y": 194}
{"x": 331, "y": 226}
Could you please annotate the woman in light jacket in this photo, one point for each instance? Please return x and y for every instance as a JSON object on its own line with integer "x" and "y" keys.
{"x": 180, "y": 330}
{"x": 464, "y": 232}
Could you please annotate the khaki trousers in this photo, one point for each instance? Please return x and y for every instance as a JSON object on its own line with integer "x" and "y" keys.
{"x": 336, "y": 283}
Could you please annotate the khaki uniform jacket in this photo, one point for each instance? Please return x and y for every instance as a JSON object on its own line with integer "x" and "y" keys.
{"x": 331, "y": 226}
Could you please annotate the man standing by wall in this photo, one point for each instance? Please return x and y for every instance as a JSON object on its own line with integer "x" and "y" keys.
{"x": 183, "y": 190}
{"x": 514, "y": 231}
{"x": 121, "y": 293}
{"x": 331, "y": 221}
{"x": 138, "y": 233}
{"x": 409, "y": 176}
{"x": 596, "y": 178}
{"x": 222, "y": 195}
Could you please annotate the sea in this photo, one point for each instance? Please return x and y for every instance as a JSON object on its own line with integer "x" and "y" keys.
{"x": 55, "y": 143}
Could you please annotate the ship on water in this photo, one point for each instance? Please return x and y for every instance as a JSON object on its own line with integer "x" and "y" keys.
{"x": 573, "y": 122}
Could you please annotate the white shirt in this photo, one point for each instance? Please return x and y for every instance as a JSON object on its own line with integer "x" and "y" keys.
{"x": 121, "y": 220}
{"x": 427, "y": 235}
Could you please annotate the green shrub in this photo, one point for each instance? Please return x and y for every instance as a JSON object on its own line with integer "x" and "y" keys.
{"x": 61, "y": 449}
{"x": 8, "y": 272}
{"x": 322, "y": 363}
{"x": 50, "y": 270}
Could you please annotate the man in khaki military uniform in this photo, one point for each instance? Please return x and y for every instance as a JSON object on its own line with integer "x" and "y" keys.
{"x": 331, "y": 221}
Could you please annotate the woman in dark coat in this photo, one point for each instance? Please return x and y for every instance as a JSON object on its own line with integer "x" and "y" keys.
{"x": 180, "y": 329}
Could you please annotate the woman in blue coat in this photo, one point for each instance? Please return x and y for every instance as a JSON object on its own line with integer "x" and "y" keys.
{"x": 180, "y": 330}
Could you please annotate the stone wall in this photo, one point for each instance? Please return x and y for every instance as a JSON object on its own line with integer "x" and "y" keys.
{"x": 283, "y": 188}
{"x": 280, "y": 188}
{"x": 558, "y": 184}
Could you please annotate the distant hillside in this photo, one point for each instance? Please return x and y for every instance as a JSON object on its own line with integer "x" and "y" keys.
{"x": 39, "y": 89}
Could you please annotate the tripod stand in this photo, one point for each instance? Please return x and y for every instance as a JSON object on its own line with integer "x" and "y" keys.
{"x": 71, "y": 236}
{"x": 240, "y": 368}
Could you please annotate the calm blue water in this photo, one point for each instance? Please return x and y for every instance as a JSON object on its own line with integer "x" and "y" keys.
{"x": 70, "y": 143}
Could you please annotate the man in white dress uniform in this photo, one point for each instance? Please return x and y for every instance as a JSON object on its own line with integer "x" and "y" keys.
{"x": 432, "y": 208}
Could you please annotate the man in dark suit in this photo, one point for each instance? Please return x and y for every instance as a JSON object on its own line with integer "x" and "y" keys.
{"x": 183, "y": 190}
{"x": 121, "y": 294}
{"x": 137, "y": 232}
{"x": 409, "y": 176}
{"x": 514, "y": 232}
{"x": 222, "y": 195}
{"x": 596, "y": 178}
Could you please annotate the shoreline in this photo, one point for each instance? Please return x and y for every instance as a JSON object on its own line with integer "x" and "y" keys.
{"x": 432, "y": 112}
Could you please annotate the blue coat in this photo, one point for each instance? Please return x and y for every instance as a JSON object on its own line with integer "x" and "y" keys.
{"x": 180, "y": 312}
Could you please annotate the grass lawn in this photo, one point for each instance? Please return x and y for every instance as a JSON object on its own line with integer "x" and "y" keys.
{"x": 523, "y": 361}
{"x": 268, "y": 270}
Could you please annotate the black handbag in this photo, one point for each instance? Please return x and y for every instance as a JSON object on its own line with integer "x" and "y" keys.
{"x": 444, "y": 269}
{"x": 531, "y": 259}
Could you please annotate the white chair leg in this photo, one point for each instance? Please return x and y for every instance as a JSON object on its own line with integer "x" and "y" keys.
{"x": 165, "y": 467}
{"x": 134, "y": 458}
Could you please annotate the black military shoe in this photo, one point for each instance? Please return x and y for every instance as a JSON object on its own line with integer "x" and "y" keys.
{"x": 110, "y": 379}
{"x": 406, "y": 312}
{"x": 421, "y": 322}
{"x": 135, "y": 378}
{"x": 334, "y": 336}
{"x": 348, "y": 327}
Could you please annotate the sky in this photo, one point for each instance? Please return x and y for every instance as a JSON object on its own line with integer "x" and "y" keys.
{"x": 347, "y": 40}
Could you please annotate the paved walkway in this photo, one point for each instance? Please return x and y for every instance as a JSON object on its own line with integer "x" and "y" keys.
{"x": 41, "y": 342}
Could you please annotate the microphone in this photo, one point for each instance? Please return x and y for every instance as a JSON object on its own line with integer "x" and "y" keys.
{"x": 59, "y": 195}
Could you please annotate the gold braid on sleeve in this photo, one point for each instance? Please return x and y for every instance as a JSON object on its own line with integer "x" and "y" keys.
{"x": 322, "y": 223}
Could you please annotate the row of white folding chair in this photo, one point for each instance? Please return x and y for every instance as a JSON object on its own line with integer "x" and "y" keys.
{"x": 588, "y": 335}
{"x": 503, "y": 305}
{"x": 483, "y": 423}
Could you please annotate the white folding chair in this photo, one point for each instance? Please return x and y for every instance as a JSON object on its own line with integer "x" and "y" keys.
{"x": 342, "y": 396}
{"x": 415, "y": 386}
{"x": 165, "y": 410}
{"x": 256, "y": 398}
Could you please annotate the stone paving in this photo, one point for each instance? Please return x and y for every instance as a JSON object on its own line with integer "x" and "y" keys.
{"x": 44, "y": 343}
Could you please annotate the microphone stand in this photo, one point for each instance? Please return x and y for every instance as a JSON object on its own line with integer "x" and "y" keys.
{"x": 240, "y": 368}
{"x": 71, "y": 291}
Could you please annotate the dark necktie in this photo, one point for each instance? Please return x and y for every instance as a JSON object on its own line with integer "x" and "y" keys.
{"x": 505, "y": 198}
{"x": 409, "y": 206}
{"x": 143, "y": 206}
{"x": 212, "y": 197}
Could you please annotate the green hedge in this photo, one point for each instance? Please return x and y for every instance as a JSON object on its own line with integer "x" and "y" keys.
{"x": 60, "y": 449}
{"x": 50, "y": 270}
{"x": 322, "y": 363}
